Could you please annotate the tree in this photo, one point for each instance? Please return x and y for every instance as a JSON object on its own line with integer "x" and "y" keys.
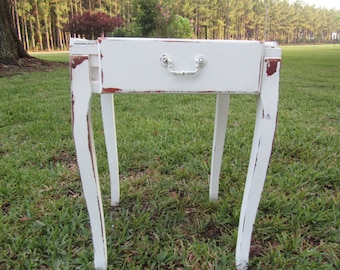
{"x": 148, "y": 12}
{"x": 40, "y": 23}
{"x": 180, "y": 28}
{"x": 11, "y": 48}
{"x": 93, "y": 24}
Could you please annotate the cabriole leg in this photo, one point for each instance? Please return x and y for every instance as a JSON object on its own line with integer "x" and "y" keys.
{"x": 265, "y": 124}
{"x": 86, "y": 158}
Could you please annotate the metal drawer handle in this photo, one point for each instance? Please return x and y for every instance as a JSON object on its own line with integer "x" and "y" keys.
{"x": 166, "y": 61}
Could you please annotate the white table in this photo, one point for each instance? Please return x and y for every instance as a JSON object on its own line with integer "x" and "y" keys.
{"x": 111, "y": 66}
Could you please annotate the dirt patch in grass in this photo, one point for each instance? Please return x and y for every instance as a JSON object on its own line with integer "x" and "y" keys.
{"x": 5, "y": 207}
{"x": 66, "y": 159}
{"x": 212, "y": 231}
{"x": 26, "y": 65}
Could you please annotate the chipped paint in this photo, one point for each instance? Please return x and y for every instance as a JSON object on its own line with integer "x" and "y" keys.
{"x": 209, "y": 92}
{"x": 72, "y": 110}
{"x": 114, "y": 90}
{"x": 101, "y": 219}
{"x": 90, "y": 145}
{"x": 76, "y": 60}
{"x": 111, "y": 90}
{"x": 100, "y": 39}
{"x": 266, "y": 115}
{"x": 272, "y": 66}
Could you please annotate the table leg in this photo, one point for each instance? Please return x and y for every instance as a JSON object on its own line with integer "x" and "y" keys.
{"x": 221, "y": 118}
{"x": 86, "y": 158}
{"x": 265, "y": 124}
{"x": 109, "y": 124}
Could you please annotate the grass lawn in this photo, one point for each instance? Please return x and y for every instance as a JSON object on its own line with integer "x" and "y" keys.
{"x": 165, "y": 220}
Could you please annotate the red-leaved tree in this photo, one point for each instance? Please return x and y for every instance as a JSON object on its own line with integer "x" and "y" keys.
{"x": 92, "y": 24}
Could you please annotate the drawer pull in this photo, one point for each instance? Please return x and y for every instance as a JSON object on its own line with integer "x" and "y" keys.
{"x": 166, "y": 61}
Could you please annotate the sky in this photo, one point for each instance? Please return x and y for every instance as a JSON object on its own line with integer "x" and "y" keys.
{"x": 324, "y": 3}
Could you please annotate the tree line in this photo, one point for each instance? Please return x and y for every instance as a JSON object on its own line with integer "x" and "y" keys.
{"x": 48, "y": 24}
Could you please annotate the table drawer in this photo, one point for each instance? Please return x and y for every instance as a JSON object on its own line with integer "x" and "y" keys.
{"x": 176, "y": 65}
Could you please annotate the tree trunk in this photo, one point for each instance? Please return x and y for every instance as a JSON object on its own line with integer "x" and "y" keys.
{"x": 32, "y": 33}
{"x": 40, "y": 44}
{"x": 26, "y": 33}
{"x": 17, "y": 22}
{"x": 47, "y": 33}
{"x": 11, "y": 48}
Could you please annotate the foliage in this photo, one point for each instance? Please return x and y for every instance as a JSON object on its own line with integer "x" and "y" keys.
{"x": 157, "y": 19}
{"x": 180, "y": 28}
{"x": 92, "y": 24}
{"x": 147, "y": 15}
{"x": 40, "y": 22}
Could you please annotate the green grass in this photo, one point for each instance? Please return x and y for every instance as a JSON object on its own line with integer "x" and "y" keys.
{"x": 165, "y": 220}
{"x": 51, "y": 56}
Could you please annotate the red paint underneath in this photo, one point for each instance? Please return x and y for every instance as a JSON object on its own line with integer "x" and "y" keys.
{"x": 77, "y": 60}
{"x": 111, "y": 90}
{"x": 72, "y": 110}
{"x": 100, "y": 39}
{"x": 272, "y": 66}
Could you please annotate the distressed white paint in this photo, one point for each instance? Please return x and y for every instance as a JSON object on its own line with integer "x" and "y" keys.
{"x": 230, "y": 67}
{"x": 221, "y": 118}
{"x": 109, "y": 125}
{"x": 123, "y": 65}
{"x": 265, "y": 124}
{"x": 85, "y": 150}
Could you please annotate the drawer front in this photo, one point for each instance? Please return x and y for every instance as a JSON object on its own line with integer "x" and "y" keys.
{"x": 184, "y": 66}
